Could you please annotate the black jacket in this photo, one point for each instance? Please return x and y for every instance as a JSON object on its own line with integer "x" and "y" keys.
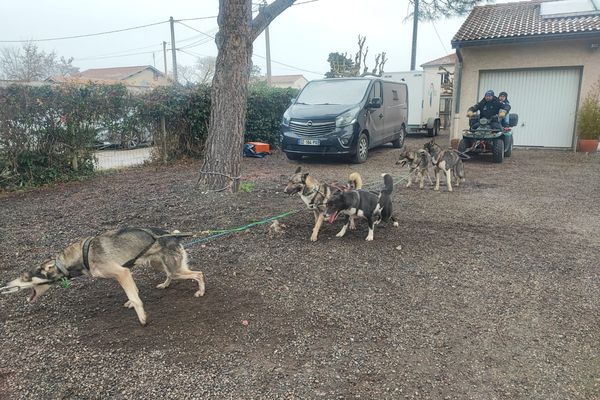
{"x": 506, "y": 104}
{"x": 488, "y": 109}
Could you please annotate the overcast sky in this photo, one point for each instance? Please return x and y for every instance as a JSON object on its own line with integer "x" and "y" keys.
{"x": 302, "y": 37}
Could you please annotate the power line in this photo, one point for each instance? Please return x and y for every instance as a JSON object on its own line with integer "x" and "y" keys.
{"x": 194, "y": 29}
{"x": 127, "y": 52}
{"x": 116, "y": 56}
{"x": 82, "y": 36}
{"x": 289, "y": 66}
{"x": 439, "y": 38}
{"x": 304, "y": 2}
{"x": 192, "y": 53}
{"x": 195, "y": 19}
{"x": 104, "y": 33}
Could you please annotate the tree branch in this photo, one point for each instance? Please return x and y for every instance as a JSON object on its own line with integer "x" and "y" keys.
{"x": 267, "y": 15}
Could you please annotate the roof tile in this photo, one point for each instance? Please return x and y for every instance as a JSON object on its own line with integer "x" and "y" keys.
{"x": 521, "y": 19}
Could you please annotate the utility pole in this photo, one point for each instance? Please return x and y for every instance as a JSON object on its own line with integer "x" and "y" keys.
{"x": 165, "y": 56}
{"x": 173, "y": 49}
{"x": 268, "y": 45}
{"x": 413, "y": 56}
{"x": 154, "y": 59}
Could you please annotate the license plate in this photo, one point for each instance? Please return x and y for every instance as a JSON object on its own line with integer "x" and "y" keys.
{"x": 309, "y": 142}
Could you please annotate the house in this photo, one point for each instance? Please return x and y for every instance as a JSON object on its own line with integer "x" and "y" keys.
{"x": 144, "y": 76}
{"x": 439, "y": 76}
{"x": 285, "y": 81}
{"x": 545, "y": 54}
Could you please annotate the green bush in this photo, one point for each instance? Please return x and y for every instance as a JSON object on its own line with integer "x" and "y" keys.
{"x": 47, "y": 133}
{"x": 588, "y": 124}
{"x": 266, "y": 106}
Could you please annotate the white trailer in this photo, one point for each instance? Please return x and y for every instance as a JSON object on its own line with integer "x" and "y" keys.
{"x": 423, "y": 100}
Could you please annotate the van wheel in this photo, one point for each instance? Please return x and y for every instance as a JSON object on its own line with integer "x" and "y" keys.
{"x": 398, "y": 143}
{"x": 362, "y": 149}
{"x": 293, "y": 156}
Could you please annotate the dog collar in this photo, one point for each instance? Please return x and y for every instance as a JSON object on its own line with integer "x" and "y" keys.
{"x": 312, "y": 191}
{"x": 86, "y": 254}
{"x": 60, "y": 266}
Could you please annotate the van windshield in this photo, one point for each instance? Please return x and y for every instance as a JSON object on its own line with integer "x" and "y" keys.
{"x": 334, "y": 92}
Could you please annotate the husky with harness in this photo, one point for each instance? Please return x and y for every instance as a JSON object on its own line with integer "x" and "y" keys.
{"x": 111, "y": 255}
{"x": 315, "y": 194}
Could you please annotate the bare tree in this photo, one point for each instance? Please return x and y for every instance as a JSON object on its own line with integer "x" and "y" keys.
{"x": 221, "y": 169}
{"x": 186, "y": 74}
{"x": 341, "y": 65}
{"x": 28, "y": 63}
{"x": 206, "y": 68}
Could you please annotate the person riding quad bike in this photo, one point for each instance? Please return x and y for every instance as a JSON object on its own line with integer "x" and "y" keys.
{"x": 489, "y": 108}
{"x": 503, "y": 98}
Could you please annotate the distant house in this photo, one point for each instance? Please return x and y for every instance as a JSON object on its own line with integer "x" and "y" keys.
{"x": 545, "y": 54}
{"x": 144, "y": 76}
{"x": 285, "y": 81}
{"x": 441, "y": 74}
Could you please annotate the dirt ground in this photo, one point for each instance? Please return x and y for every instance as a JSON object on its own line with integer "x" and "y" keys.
{"x": 494, "y": 292}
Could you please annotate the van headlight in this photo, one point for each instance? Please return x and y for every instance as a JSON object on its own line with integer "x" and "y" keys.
{"x": 347, "y": 118}
{"x": 285, "y": 121}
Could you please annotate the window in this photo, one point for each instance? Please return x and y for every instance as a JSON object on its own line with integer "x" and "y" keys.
{"x": 569, "y": 8}
{"x": 376, "y": 91}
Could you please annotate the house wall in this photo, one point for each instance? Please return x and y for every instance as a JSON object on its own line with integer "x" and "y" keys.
{"x": 571, "y": 53}
{"x": 147, "y": 77}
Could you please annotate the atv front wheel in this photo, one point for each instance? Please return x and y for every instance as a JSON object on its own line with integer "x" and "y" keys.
{"x": 498, "y": 150}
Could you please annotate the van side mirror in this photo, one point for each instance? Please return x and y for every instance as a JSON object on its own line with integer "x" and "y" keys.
{"x": 375, "y": 102}
{"x": 292, "y": 100}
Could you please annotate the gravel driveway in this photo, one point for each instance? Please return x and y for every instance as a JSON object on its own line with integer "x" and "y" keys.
{"x": 493, "y": 293}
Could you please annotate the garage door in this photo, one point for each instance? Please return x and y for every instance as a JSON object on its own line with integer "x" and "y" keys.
{"x": 545, "y": 99}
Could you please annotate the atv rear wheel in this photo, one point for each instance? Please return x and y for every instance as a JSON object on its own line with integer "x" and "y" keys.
{"x": 498, "y": 150}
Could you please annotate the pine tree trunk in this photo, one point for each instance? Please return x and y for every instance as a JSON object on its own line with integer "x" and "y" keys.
{"x": 237, "y": 31}
{"x": 222, "y": 159}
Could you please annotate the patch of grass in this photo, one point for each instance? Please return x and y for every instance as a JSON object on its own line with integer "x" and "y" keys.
{"x": 247, "y": 187}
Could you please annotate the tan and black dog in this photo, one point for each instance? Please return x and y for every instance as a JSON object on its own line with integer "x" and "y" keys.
{"x": 418, "y": 162}
{"x": 110, "y": 255}
{"x": 447, "y": 160}
{"x": 315, "y": 194}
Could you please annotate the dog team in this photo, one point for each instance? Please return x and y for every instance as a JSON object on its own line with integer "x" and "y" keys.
{"x": 112, "y": 253}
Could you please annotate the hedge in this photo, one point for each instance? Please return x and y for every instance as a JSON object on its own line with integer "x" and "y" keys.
{"x": 47, "y": 133}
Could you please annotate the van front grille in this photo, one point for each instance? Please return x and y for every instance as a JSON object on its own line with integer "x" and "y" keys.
{"x": 312, "y": 128}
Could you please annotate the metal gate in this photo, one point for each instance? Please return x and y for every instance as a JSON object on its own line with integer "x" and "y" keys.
{"x": 544, "y": 99}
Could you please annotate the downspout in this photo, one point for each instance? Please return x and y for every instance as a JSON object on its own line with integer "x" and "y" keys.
{"x": 457, "y": 86}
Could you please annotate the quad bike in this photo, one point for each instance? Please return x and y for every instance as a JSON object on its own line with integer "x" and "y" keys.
{"x": 489, "y": 138}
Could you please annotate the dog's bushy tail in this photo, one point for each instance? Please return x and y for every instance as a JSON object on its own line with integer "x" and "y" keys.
{"x": 388, "y": 183}
{"x": 356, "y": 180}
